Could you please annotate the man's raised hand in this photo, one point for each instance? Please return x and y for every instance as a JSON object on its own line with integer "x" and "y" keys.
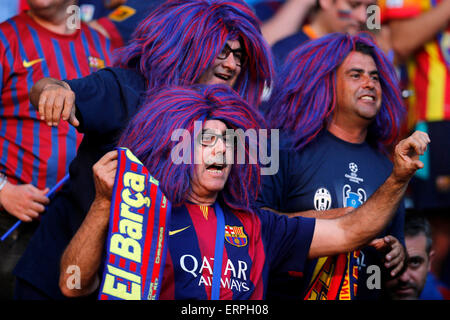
{"x": 406, "y": 155}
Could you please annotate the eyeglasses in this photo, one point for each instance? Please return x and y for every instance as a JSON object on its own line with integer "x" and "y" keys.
{"x": 209, "y": 139}
{"x": 238, "y": 54}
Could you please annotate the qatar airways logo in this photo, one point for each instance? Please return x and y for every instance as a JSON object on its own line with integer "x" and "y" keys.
{"x": 234, "y": 276}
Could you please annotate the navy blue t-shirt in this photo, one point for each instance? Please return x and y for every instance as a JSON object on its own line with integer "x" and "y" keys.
{"x": 282, "y": 48}
{"x": 329, "y": 173}
{"x": 105, "y": 101}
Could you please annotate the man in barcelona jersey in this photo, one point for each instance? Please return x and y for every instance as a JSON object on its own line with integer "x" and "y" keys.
{"x": 48, "y": 40}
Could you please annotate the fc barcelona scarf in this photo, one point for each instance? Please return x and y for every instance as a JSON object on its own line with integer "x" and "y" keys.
{"x": 136, "y": 244}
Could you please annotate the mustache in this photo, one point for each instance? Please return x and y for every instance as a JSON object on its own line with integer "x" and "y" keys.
{"x": 406, "y": 285}
{"x": 218, "y": 159}
{"x": 368, "y": 92}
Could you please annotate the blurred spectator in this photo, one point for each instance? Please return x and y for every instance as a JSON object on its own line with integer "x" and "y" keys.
{"x": 92, "y": 9}
{"x": 42, "y": 42}
{"x": 440, "y": 267}
{"x": 287, "y": 20}
{"x": 328, "y": 16}
{"x": 8, "y": 8}
{"x": 120, "y": 24}
{"x": 420, "y": 33}
{"x": 416, "y": 281}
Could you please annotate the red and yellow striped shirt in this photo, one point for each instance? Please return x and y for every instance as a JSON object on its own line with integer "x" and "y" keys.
{"x": 429, "y": 68}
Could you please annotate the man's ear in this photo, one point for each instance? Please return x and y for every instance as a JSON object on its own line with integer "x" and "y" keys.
{"x": 430, "y": 259}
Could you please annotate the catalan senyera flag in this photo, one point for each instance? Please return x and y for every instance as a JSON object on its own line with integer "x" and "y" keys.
{"x": 335, "y": 278}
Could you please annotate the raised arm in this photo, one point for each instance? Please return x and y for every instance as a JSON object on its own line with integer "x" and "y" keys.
{"x": 359, "y": 227}
{"x": 328, "y": 214}
{"x": 286, "y": 21}
{"x": 408, "y": 35}
{"x": 86, "y": 247}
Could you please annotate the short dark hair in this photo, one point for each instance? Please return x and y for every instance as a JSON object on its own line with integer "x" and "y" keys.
{"x": 415, "y": 224}
{"x": 364, "y": 48}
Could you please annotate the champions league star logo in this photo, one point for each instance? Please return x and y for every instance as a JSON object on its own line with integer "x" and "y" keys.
{"x": 353, "y": 177}
{"x": 350, "y": 198}
{"x": 322, "y": 199}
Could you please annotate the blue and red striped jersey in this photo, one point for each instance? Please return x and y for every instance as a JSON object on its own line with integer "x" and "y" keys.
{"x": 31, "y": 151}
{"x": 255, "y": 246}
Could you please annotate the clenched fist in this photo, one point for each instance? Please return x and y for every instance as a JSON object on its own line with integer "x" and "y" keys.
{"x": 406, "y": 156}
{"x": 104, "y": 175}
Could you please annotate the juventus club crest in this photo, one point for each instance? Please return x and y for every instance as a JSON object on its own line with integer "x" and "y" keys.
{"x": 322, "y": 199}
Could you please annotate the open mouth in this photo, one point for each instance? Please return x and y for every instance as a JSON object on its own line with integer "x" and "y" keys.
{"x": 367, "y": 97}
{"x": 222, "y": 76}
{"x": 216, "y": 168}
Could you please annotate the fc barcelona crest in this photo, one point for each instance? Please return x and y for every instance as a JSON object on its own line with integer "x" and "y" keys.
{"x": 96, "y": 63}
{"x": 235, "y": 236}
{"x": 122, "y": 13}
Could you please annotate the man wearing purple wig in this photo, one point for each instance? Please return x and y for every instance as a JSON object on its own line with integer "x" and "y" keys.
{"x": 182, "y": 42}
{"x": 342, "y": 113}
{"x": 268, "y": 242}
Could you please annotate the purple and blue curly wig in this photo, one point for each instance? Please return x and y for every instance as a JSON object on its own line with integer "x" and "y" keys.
{"x": 305, "y": 96}
{"x": 180, "y": 39}
{"x": 149, "y": 133}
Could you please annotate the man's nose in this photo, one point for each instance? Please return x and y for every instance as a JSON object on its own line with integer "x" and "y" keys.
{"x": 360, "y": 14}
{"x": 404, "y": 277}
{"x": 368, "y": 83}
{"x": 220, "y": 146}
{"x": 230, "y": 62}
{"x": 219, "y": 151}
